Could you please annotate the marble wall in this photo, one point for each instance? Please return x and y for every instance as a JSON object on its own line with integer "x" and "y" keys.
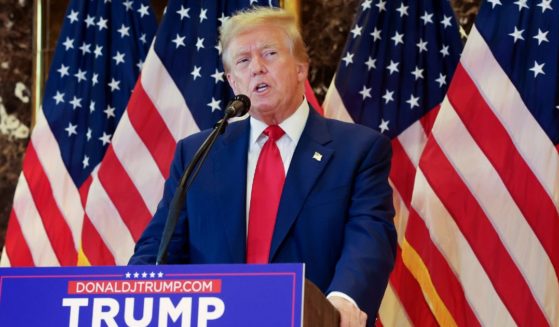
{"x": 324, "y": 22}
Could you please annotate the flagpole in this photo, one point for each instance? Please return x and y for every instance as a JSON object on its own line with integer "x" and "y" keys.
{"x": 293, "y": 6}
{"x": 38, "y": 59}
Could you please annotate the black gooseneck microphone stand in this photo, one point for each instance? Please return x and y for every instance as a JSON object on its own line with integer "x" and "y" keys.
{"x": 237, "y": 107}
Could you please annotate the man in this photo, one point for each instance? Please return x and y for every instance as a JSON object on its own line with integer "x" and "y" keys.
{"x": 285, "y": 185}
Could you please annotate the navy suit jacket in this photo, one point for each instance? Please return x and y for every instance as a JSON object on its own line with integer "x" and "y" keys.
{"x": 335, "y": 213}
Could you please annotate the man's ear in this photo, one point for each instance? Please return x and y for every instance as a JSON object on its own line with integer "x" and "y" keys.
{"x": 302, "y": 71}
{"x": 232, "y": 82}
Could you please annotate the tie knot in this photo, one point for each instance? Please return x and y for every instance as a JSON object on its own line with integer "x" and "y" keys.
{"x": 274, "y": 132}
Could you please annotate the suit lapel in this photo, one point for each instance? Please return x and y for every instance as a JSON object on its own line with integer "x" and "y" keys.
{"x": 309, "y": 160}
{"x": 230, "y": 169}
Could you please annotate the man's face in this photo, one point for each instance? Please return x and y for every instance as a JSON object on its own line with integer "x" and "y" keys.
{"x": 263, "y": 68}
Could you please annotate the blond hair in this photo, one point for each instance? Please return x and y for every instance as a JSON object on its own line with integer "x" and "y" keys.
{"x": 246, "y": 20}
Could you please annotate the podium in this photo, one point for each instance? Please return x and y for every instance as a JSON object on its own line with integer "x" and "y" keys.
{"x": 174, "y": 295}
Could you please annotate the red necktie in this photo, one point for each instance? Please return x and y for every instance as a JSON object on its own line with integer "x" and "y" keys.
{"x": 265, "y": 197}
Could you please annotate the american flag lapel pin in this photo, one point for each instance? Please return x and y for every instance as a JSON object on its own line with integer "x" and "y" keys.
{"x": 317, "y": 156}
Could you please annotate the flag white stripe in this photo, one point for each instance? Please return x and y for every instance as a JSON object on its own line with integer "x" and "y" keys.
{"x": 334, "y": 106}
{"x": 108, "y": 223}
{"x": 447, "y": 237}
{"x": 64, "y": 190}
{"x": 484, "y": 183}
{"x": 166, "y": 97}
{"x": 5, "y": 259}
{"x": 391, "y": 311}
{"x": 530, "y": 140}
{"x": 413, "y": 140}
{"x": 32, "y": 226}
{"x": 136, "y": 161}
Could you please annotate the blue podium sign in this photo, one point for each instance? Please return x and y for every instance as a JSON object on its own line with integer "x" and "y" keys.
{"x": 177, "y": 295}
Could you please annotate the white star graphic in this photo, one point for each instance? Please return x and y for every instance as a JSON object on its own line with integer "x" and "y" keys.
{"x": 110, "y": 111}
{"x": 446, "y": 21}
{"x": 102, "y": 23}
{"x": 403, "y": 10}
{"x": 356, "y": 31}
{"x": 214, "y": 104}
{"x": 218, "y": 76}
{"x": 388, "y": 96}
{"x": 521, "y": 4}
{"x": 106, "y": 138}
{"x": 441, "y": 80}
{"x": 183, "y": 12}
{"x": 76, "y": 102}
{"x": 366, "y": 4}
{"x": 80, "y": 75}
{"x": 384, "y": 125}
{"x": 143, "y": 38}
{"x": 128, "y": 275}
{"x": 203, "y": 14}
{"x": 143, "y": 11}
{"x": 94, "y": 79}
{"x": 376, "y": 34}
{"x": 222, "y": 18}
{"x": 124, "y": 31}
{"x": 71, "y": 129}
{"x": 427, "y": 18}
{"x": 517, "y": 34}
{"x": 393, "y": 67}
{"x": 152, "y": 274}
{"x": 413, "y": 101}
{"x": 444, "y": 50}
{"x": 88, "y": 134}
{"x": 417, "y": 73}
{"x": 541, "y": 37}
{"x": 365, "y": 92}
{"x": 97, "y": 51}
{"x": 545, "y": 4}
{"x": 127, "y": 4}
{"x": 348, "y": 59}
{"x": 422, "y": 45}
{"x": 90, "y": 21}
{"x": 218, "y": 47}
{"x": 196, "y": 72}
{"x": 73, "y": 16}
{"x": 140, "y": 64}
{"x": 85, "y": 162}
{"x": 136, "y": 275}
{"x": 537, "y": 69}
{"x": 381, "y": 5}
{"x": 114, "y": 85}
{"x": 85, "y": 48}
{"x": 371, "y": 63}
{"x": 63, "y": 70}
{"x": 144, "y": 274}
{"x": 494, "y": 3}
{"x": 119, "y": 58}
{"x": 92, "y": 106}
{"x": 68, "y": 44}
{"x": 160, "y": 274}
{"x": 179, "y": 41}
{"x": 58, "y": 97}
{"x": 398, "y": 38}
{"x": 199, "y": 44}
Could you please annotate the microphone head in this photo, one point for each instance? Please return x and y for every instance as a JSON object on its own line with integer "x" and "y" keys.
{"x": 238, "y": 106}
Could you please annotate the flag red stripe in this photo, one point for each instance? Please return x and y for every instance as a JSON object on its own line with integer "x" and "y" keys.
{"x": 482, "y": 237}
{"x": 57, "y": 229}
{"x": 94, "y": 247}
{"x": 428, "y": 120}
{"x": 445, "y": 281}
{"x": 402, "y": 172}
{"x": 16, "y": 246}
{"x": 151, "y": 128}
{"x": 410, "y": 294}
{"x": 536, "y": 205}
{"x": 124, "y": 194}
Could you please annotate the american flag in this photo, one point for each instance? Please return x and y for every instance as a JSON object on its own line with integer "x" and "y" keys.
{"x": 97, "y": 60}
{"x": 393, "y": 75}
{"x": 182, "y": 90}
{"x": 485, "y": 217}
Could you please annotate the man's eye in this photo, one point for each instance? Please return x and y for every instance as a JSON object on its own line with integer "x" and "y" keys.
{"x": 241, "y": 61}
{"x": 270, "y": 53}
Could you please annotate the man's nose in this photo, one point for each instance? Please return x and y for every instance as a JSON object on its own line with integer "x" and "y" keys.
{"x": 257, "y": 66}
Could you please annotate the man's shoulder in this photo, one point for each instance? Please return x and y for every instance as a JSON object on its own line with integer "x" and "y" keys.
{"x": 350, "y": 131}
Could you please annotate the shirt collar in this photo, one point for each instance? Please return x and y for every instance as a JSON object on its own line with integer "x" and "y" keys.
{"x": 293, "y": 126}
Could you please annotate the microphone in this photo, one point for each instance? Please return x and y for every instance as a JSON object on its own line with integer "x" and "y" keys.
{"x": 238, "y": 106}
